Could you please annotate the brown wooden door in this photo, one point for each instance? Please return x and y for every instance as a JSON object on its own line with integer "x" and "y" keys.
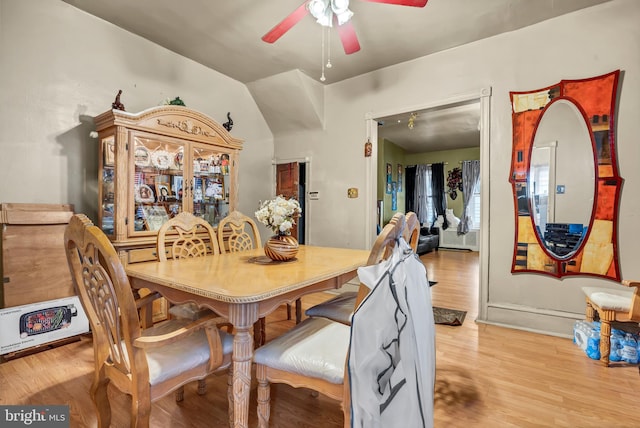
{"x": 287, "y": 180}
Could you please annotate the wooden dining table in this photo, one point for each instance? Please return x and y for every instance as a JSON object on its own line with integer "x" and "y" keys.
{"x": 243, "y": 287}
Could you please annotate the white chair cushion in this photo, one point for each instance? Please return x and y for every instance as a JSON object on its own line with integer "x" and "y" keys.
{"x": 339, "y": 308}
{"x": 171, "y": 360}
{"x": 610, "y": 299}
{"x": 317, "y": 347}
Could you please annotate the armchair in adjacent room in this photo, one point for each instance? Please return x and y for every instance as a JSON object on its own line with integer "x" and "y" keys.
{"x": 428, "y": 240}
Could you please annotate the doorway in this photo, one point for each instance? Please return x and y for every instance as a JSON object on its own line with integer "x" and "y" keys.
{"x": 291, "y": 182}
{"x": 483, "y": 97}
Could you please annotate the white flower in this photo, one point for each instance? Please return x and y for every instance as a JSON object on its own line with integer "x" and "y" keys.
{"x": 279, "y": 214}
{"x": 93, "y": 134}
{"x": 285, "y": 226}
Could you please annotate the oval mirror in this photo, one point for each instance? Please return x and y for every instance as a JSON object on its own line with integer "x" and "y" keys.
{"x": 561, "y": 178}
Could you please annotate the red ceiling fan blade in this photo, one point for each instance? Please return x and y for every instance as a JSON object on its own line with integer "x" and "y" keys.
{"x": 348, "y": 37}
{"x": 414, "y": 3}
{"x": 285, "y": 25}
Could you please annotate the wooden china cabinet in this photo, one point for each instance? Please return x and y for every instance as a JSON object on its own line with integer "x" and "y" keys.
{"x": 156, "y": 164}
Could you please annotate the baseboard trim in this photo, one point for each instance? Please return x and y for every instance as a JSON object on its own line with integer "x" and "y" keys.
{"x": 535, "y": 320}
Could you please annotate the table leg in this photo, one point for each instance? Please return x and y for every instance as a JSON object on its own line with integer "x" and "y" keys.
{"x": 242, "y": 317}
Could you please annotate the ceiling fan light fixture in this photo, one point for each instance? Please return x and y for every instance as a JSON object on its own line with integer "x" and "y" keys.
{"x": 344, "y": 17}
{"x": 321, "y": 11}
{"x": 324, "y": 10}
{"x": 341, "y": 9}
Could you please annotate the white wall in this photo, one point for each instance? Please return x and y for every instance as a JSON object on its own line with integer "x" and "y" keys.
{"x": 59, "y": 67}
{"x": 583, "y": 44}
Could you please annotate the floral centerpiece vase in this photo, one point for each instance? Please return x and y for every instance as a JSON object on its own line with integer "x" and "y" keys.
{"x": 279, "y": 214}
{"x": 281, "y": 247}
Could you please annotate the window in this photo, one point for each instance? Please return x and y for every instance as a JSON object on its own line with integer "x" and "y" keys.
{"x": 431, "y": 211}
{"x": 474, "y": 208}
{"x": 424, "y": 201}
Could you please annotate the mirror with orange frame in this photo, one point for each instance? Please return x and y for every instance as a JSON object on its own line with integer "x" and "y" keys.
{"x": 565, "y": 179}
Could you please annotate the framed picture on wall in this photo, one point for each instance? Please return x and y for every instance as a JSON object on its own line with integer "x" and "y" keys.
{"x": 394, "y": 196}
{"x": 389, "y": 178}
{"x": 400, "y": 177}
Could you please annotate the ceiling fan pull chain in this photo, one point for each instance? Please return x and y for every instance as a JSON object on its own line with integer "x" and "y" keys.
{"x": 322, "y": 78}
{"x": 329, "y": 49}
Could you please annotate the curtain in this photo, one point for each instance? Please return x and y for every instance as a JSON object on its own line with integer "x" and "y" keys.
{"x": 420, "y": 198}
{"x": 470, "y": 178}
{"x": 409, "y": 186}
{"x": 437, "y": 190}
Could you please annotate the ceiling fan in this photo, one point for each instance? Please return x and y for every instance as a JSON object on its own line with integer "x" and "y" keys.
{"x": 328, "y": 12}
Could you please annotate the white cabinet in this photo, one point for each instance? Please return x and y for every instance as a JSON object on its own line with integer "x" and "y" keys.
{"x": 450, "y": 239}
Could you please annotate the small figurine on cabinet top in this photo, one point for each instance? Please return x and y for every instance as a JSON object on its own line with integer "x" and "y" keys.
{"x": 177, "y": 102}
{"x": 228, "y": 125}
{"x": 117, "y": 104}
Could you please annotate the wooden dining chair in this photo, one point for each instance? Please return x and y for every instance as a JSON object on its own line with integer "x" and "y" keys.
{"x": 242, "y": 234}
{"x": 194, "y": 238}
{"x": 185, "y": 236}
{"x": 340, "y": 307}
{"x": 145, "y": 364}
{"x": 314, "y": 353}
{"x": 612, "y": 304}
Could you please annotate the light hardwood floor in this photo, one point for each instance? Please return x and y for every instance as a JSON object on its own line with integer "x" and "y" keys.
{"x": 486, "y": 376}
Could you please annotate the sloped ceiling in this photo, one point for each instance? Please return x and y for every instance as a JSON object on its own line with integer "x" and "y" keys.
{"x": 284, "y": 77}
{"x": 289, "y": 101}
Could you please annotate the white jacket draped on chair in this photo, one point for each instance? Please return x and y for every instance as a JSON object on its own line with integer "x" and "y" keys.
{"x": 392, "y": 354}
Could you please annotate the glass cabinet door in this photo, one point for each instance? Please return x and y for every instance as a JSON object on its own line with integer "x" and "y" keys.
{"x": 108, "y": 180}
{"x": 158, "y": 182}
{"x": 210, "y": 184}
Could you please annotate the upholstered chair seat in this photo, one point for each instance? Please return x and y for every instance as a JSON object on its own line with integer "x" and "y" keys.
{"x": 317, "y": 348}
{"x": 183, "y": 355}
{"x": 340, "y": 308}
{"x": 610, "y": 299}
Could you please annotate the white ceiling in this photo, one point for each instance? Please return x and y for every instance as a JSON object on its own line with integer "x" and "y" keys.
{"x": 443, "y": 128}
{"x": 225, "y": 35}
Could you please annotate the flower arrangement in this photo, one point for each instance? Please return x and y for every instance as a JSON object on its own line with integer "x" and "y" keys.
{"x": 279, "y": 214}
{"x": 454, "y": 179}
{"x": 454, "y": 182}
